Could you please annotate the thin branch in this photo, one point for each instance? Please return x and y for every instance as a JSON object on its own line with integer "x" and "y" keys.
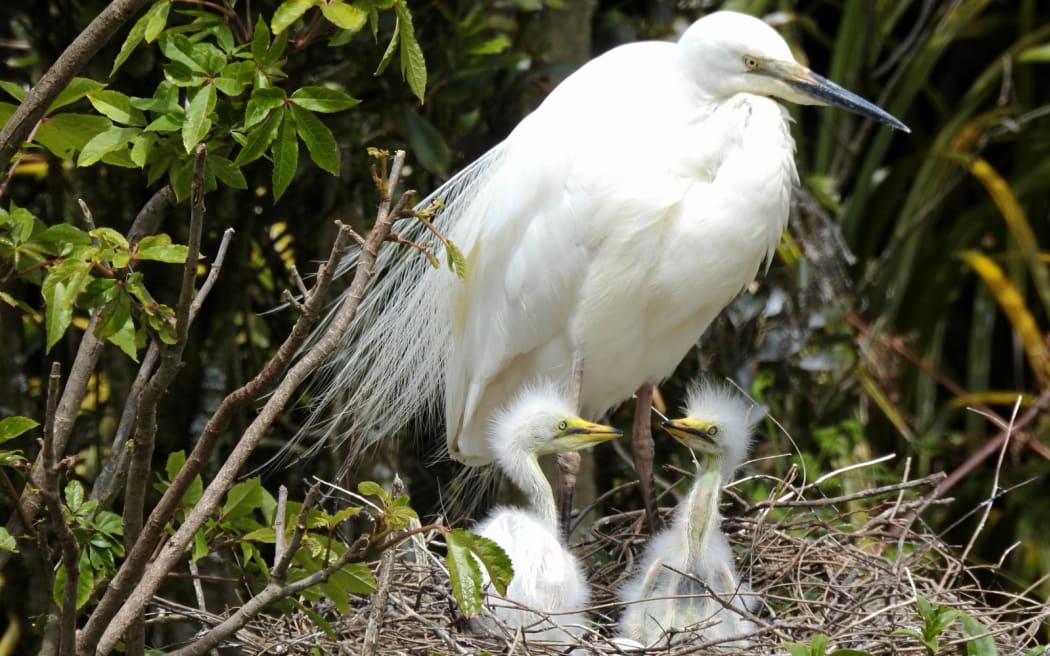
{"x": 84, "y": 365}
{"x": 69, "y": 63}
{"x": 67, "y": 615}
{"x": 126, "y": 591}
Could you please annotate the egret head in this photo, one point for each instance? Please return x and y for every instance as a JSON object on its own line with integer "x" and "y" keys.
{"x": 718, "y": 424}
{"x": 728, "y": 53}
{"x": 540, "y": 420}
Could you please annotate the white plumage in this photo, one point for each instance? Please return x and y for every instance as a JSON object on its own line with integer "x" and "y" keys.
{"x": 613, "y": 223}
{"x": 687, "y": 577}
{"x": 548, "y": 590}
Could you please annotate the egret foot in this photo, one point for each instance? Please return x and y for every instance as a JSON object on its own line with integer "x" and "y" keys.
{"x": 642, "y": 446}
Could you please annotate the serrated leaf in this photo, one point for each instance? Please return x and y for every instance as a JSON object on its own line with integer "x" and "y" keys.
{"x": 464, "y": 569}
{"x": 114, "y": 315}
{"x": 260, "y": 42}
{"x": 285, "y": 156}
{"x": 74, "y": 495}
{"x": 342, "y": 15}
{"x": 78, "y": 88}
{"x": 413, "y": 65}
{"x": 198, "y": 117}
{"x": 132, "y": 41}
{"x": 226, "y": 171}
{"x": 159, "y": 248}
{"x": 16, "y": 91}
{"x": 288, "y": 12}
{"x": 166, "y": 123}
{"x": 260, "y": 139}
{"x": 179, "y": 49}
{"x": 319, "y": 140}
{"x": 373, "y": 489}
{"x": 63, "y": 134}
{"x": 104, "y": 143}
{"x": 157, "y": 20}
{"x": 359, "y": 579}
{"x": 57, "y": 239}
{"x": 12, "y": 427}
{"x": 456, "y": 261}
{"x": 60, "y": 289}
{"x": 243, "y": 498}
{"x": 323, "y": 99}
{"x": 262, "y": 102}
{"x": 391, "y": 48}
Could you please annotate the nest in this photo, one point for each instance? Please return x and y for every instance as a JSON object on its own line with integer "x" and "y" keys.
{"x": 851, "y": 568}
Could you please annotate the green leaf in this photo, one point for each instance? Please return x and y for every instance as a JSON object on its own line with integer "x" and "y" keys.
{"x": 323, "y": 99}
{"x": 7, "y": 541}
{"x": 12, "y": 427}
{"x": 373, "y": 489}
{"x": 224, "y": 170}
{"x": 159, "y": 248}
{"x": 465, "y": 572}
{"x": 16, "y": 91}
{"x": 198, "y": 117}
{"x": 114, "y": 315}
{"x": 493, "y": 46}
{"x": 427, "y": 143}
{"x": 285, "y": 156}
{"x": 157, "y": 20}
{"x": 78, "y": 88}
{"x": 166, "y": 123}
{"x": 260, "y": 42}
{"x": 134, "y": 38}
{"x": 797, "y": 649}
{"x": 104, "y": 143}
{"x": 347, "y": 17}
{"x": 413, "y": 66}
{"x": 63, "y": 134}
{"x": 74, "y": 494}
{"x": 200, "y": 545}
{"x": 391, "y": 48}
{"x": 981, "y": 644}
{"x": 319, "y": 140}
{"x": 1039, "y": 54}
{"x": 358, "y": 578}
{"x": 455, "y": 259}
{"x": 242, "y": 499}
{"x": 60, "y": 289}
{"x": 260, "y": 139}
{"x": 262, "y": 102}
{"x": 288, "y": 12}
{"x": 179, "y": 50}
{"x": 85, "y": 581}
{"x": 58, "y": 239}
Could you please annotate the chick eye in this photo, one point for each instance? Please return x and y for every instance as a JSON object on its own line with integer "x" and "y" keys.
{"x": 712, "y": 431}
{"x": 562, "y": 425}
{"x": 750, "y": 62}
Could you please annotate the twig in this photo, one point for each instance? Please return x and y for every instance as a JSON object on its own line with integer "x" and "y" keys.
{"x": 67, "y": 614}
{"x": 279, "y": 523}
{"x": 84, "y": 365}
{"x": 111, "y": 628}
{"x": 379, "y": 597}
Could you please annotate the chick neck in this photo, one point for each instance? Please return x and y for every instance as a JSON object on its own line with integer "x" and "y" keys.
{"x": 523, "y": 468}
{"x": 699, "y": 517}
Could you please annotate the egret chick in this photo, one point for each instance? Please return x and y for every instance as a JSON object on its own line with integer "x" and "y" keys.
{"x": 687, "y": 576}
{"x": 613, "y": 224}
{"x": 549, "y": 586}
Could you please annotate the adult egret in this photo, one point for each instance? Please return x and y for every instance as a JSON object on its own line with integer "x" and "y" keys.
{"x": 548, "y": 587}
{"x": 612, "y": 225}
{"x": 687, "y": 575}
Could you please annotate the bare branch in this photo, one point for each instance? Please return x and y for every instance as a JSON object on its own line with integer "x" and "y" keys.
{"x": 106, "y": 627}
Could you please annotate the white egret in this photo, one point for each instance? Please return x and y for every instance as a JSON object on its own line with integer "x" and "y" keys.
{"x": 612, "y": 225}
{"x": 548, "y": 579}
{"x": 687, "y": 576}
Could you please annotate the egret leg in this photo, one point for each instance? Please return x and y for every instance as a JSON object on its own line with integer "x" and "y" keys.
{"x": 642, "y": 445}
{"x": 568, "y": 469}
{"x": 569, "y": 462}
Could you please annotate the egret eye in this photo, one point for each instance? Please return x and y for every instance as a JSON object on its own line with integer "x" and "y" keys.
{"x": 562, "y": 425}
{"x": 712, "y": 431}
{"x": 750, "y": 62}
